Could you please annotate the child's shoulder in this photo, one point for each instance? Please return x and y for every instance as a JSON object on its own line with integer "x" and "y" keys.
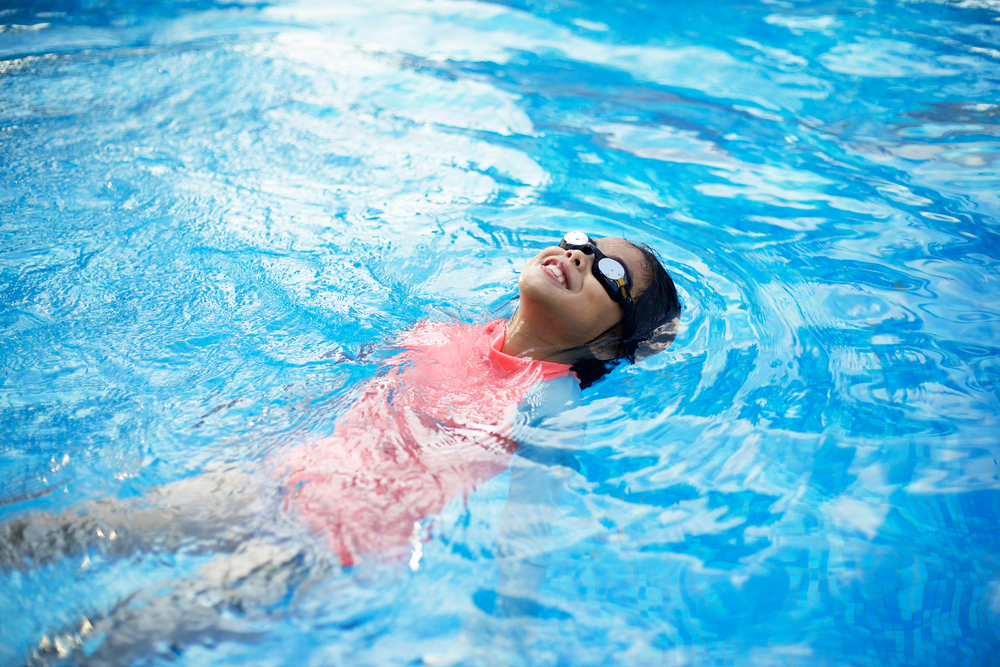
{"x": 551, "y": 397}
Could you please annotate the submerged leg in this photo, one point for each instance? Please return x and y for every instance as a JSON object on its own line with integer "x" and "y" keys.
{"x": 208, "y": 512}
{"x": 220, "y": 603}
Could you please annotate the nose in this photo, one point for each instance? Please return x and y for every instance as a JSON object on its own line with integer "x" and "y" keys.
{"x": 576, "y": 256}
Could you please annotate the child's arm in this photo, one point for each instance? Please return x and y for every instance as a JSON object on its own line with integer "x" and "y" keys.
{"x": 538, "y": 471}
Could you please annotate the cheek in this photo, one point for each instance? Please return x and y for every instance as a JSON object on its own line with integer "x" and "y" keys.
{"x": 603, "y": 313}
{"x": 610, "y": 317}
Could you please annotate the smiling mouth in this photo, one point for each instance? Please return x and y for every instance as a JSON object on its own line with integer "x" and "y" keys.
{"x": 553, "y": 268}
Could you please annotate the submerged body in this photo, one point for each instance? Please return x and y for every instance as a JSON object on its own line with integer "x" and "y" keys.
{"x": 435, "y": 424}
{"x": 439, "y": 419}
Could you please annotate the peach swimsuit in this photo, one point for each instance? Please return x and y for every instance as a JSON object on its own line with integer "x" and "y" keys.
{"x": 432, "y": 426}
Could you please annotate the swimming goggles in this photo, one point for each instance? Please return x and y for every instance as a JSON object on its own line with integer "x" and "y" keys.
{"x": 609, "y": 272}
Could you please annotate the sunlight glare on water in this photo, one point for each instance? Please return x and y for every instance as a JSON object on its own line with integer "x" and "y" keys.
{"x": 217, "y": 218}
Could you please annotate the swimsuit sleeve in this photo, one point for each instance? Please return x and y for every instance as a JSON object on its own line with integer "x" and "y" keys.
{"x": 547, "y": 400}
{"x": 546, "y": 427}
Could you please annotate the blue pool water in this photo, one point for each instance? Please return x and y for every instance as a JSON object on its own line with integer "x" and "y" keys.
{"x": 215, "y": 216}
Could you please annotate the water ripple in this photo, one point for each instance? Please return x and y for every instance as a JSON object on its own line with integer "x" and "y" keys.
{"x": 215, "y": 219}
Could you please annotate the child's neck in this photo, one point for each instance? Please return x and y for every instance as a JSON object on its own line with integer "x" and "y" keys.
{"x": 526, "y": 339}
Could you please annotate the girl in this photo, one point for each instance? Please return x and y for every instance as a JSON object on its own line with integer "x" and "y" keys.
{"x": 439, "y": 420}
{"x": 440, "y": 417}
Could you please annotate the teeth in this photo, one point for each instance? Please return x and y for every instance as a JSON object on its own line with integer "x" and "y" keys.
{"x": 557, "y": 271}
{"x": 559, "y": 274}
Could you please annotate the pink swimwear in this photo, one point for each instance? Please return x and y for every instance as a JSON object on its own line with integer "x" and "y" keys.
{"x": 431, "y": 427}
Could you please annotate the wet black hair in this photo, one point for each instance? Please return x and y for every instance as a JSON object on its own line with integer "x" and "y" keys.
{"x": 657, "y": 310}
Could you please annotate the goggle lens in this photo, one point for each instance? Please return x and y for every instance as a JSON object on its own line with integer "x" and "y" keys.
{"x": 611, "y": 268}
{"x": 577, "y": 239}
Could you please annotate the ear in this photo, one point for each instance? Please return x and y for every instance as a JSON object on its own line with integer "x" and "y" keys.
{"x": 660, "y": 339}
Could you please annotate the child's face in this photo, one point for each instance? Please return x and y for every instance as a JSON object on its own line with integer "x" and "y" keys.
{"x": 558, "y": 289}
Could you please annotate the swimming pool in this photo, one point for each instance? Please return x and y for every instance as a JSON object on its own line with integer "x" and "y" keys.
{"x": 215, "y": 215}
